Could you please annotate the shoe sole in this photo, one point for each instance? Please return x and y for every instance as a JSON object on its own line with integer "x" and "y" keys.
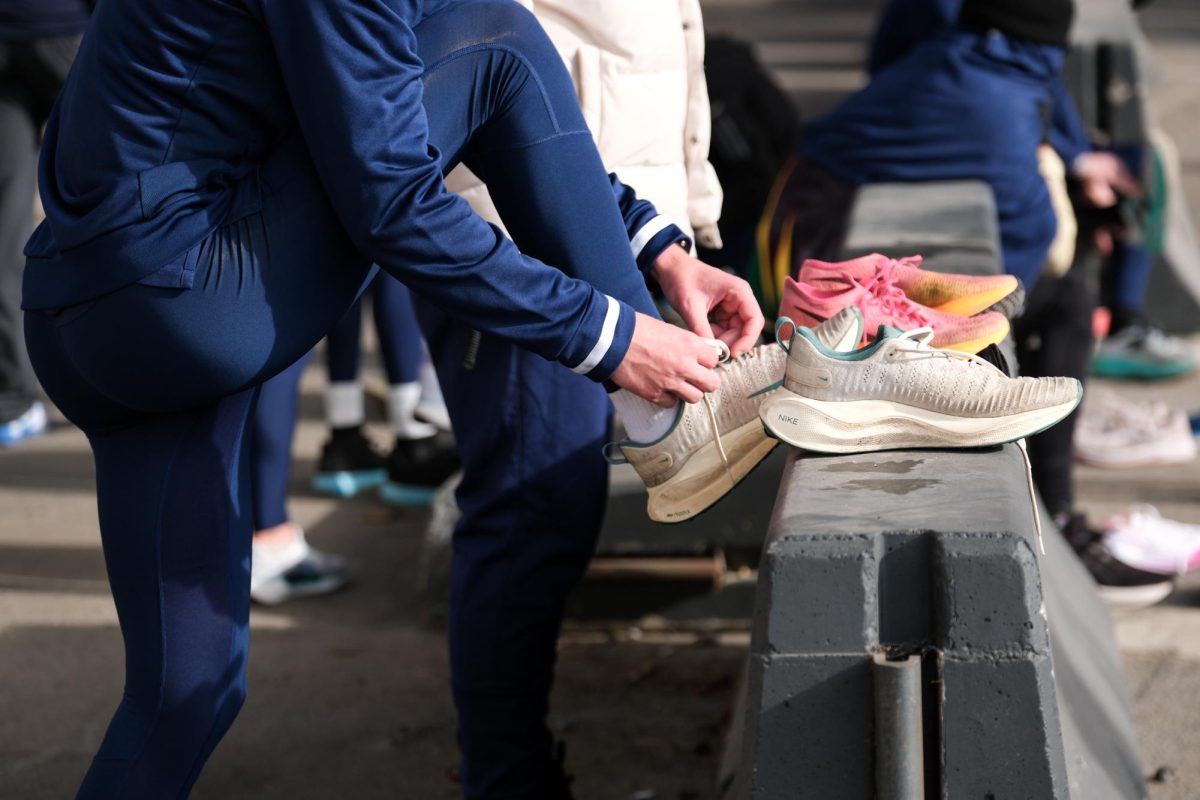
{"x": 347, "y": 484}
{"x": 703, "y": 480}
{"x": 864, "y": 426}
{"x": 1007, "y": 303}
{"x": 403, "y": 494}
{"x": 1131, "y": 598}
{"x": 1182, "y": 456}
{"x": 1131, "y": 369}
{"x": 977, "y": 345}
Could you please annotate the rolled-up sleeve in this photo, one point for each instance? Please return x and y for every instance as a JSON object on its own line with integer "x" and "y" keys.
{"x": 354, "y": 78}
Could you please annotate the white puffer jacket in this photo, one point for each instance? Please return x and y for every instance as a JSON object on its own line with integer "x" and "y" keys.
{"x": 638, "y": 68}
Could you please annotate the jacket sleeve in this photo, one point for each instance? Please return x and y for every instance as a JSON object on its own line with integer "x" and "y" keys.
{"x": 353, "y": 75}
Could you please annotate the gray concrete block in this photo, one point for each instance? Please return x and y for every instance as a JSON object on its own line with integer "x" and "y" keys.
{"x": 934, "y": 553}
{"x": 1001, "y": 735}
{"x": 813, "y": 735}
{"x": 818, "y": 595}
{"x": 951, "y": 223}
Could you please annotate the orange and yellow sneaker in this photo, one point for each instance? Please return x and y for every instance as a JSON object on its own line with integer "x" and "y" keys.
{"x": 964, "y": 295}
{"x": 882, "y": 302}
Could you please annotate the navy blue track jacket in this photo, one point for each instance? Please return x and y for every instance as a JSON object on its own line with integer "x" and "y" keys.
{"x": 173, "y": 106}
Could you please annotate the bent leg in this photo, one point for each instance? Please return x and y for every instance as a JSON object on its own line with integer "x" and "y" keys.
{"x": 499, "y": 99}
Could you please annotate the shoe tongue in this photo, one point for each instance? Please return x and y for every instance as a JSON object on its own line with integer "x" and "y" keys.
{"x": 888, "y": 332}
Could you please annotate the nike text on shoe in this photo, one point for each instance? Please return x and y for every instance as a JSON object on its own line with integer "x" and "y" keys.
{"x": 900, "y": 393}
{"x": 715, "y": 443}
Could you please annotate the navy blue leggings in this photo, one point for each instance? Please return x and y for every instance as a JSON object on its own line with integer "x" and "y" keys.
{"x": 163, "y": 382}
{"x": 396, "y": 327}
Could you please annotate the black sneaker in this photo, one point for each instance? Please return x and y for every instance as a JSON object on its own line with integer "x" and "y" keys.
{"x": 417, "y": 467}
{"x": 1119, "y": 584}
{"x": 349, "y": 464}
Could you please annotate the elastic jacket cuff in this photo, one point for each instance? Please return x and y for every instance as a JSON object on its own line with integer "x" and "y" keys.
{"x": 653, "y": 238}
{"x": 603, "y": 339}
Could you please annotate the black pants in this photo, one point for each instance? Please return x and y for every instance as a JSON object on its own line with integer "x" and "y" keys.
{"x": 31, "y": 73}
{"x": 1054, "y": 337}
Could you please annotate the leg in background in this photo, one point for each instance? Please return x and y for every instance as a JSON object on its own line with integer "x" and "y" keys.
{"x": 18, "y": 180}
{"x": 1054, "y": 337}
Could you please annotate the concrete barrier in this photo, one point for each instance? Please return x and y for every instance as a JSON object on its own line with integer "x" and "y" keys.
{"x": 951, "y": 223}
{"x": 930, "y": 555}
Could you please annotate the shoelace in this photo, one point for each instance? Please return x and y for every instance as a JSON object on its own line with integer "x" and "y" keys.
{"x": 921, "y": 337}
{"x": 883, "y": 292}
{"x": 723, "y": 356}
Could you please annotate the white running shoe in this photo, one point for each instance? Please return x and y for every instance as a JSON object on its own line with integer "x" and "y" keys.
{"x": 715, "y": 443}
{"x": 278, "y": 574}
{"x": 900, "y": 393}
{"x": 1142, "y": 538}
{"x": 33, "y": 422}
{"x": 1116, "y": 434}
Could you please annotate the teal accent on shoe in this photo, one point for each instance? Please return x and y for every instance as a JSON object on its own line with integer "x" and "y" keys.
{"x": 1113, "y": 366}
{"x": 780, "y": 324}
{"x": 768, "y": 388}
{"x": 608, "y": 452}
{"x": 861, "y": 354}
{"x": 402, "y": 494}
{"x": 348, "y": 484}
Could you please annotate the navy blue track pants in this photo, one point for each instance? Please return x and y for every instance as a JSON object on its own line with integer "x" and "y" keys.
{"x": 163, "y": 382}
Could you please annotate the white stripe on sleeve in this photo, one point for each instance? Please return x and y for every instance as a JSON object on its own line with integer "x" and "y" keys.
{"x": 607, "y": 331}
{"x": 647, "y": 232}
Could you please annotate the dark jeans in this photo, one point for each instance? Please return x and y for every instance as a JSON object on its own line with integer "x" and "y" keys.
{"x": 163, "y": 381}
{"x": 31, "y": 73}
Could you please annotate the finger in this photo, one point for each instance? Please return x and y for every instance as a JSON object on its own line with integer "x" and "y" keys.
{"x": 1126, "y": 184}
{"x": 696, "y": 318}
{"x": 1100, "y": 195}
{"x": 747, "y": 319}
{"x": 706, "y": 380}
{"x": 707, "y": 355}
{"x": 687, "y": 393}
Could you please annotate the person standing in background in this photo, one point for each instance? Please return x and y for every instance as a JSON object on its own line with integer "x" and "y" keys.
{"x": 38, "y": 40}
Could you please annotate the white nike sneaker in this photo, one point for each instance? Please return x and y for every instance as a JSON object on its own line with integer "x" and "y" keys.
{"x": 278, "y": 574}
{"x": 715, "y": 443}
{"x": 900, "y": 393}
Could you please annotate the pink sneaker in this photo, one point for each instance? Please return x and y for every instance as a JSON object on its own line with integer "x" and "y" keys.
{"x": 882, "y": 302}
{"x": 964, "y": 295}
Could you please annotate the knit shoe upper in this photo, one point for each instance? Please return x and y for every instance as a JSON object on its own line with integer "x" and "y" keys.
{"x": 883, "y": 303}
{"x": 713, "y": 444}
{"x": 901, "y": 392}
{"x": 964, "y": 295}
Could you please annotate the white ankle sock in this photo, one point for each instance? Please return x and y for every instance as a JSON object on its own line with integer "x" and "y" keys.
{"x": 402, "y": 402}
{"x": 644, "y": 421}
{"x": 344, "y": 404}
